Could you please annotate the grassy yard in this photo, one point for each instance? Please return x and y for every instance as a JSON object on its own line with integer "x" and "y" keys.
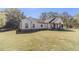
{"x": 42, "y": 40}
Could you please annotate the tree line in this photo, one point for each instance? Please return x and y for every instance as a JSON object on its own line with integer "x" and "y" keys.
{"x": 68, "y": 20}
{"x": 11, "y": 17}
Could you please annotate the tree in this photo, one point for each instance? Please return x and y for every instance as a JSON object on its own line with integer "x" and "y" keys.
{"x": 43, "y": 16}
{"x": 13, "y": 17}
{"x": 52, "y": 14}
{"x": 48, "y": 15}
{"x": 66, "y": 18}
{"x": 2, "y": 19}
{"x": 76, "y": 21}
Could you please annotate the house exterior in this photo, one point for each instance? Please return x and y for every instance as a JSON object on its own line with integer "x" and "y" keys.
{"x": 33, "y": 24}
{"x": 56, "y": 23}
{"x": 30, "y": 23}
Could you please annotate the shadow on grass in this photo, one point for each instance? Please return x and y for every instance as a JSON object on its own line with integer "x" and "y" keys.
{"x": 6, "y": 30}
{"x": 28, "y": 31}
{"x": 33, "y": 31}
{"x": 64, "y": 30}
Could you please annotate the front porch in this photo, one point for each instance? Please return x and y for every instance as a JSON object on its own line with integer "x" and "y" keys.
{"x": 56, "y": 26}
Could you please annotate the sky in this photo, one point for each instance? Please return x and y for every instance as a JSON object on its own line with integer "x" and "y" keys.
{"x": 35, "y": 12}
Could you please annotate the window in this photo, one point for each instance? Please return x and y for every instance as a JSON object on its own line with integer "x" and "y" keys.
{"x": 33, "y": 25}
{"x": 26, "y": 25}
{"x": 41, "y": 25}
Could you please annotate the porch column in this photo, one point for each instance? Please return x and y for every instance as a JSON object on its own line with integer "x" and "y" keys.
{"x": 62, "y": 26}
{"x": 54, "y": 26}
{"x": 57, "y": 26}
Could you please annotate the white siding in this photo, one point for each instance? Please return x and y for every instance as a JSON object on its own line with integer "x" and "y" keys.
{"x": 30, "y": 25}
{"x": 38, "y": 26}
{"x": 49, "y": 26}
{"x": 22, "y": 24}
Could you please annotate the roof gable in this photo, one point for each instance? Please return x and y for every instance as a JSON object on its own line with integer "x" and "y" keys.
{"x": 56, "y": 20}
{"x": 52, "y": 20}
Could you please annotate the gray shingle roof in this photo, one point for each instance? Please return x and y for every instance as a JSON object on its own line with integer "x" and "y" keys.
{"x": 55, "y": 20}
{"x": 52, "y": 20}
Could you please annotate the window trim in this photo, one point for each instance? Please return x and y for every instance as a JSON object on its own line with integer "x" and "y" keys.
{"x": 26, "y": 25}
{"x": 41, "y": 25}
{"x": 33, "y": 25}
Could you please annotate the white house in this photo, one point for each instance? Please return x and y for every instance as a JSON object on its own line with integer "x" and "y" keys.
{"x": 34, "y": 24}
{"x": 30, "y": 23}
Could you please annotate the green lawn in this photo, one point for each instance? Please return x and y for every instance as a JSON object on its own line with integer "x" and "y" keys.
{"x": 42, "y": 40}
